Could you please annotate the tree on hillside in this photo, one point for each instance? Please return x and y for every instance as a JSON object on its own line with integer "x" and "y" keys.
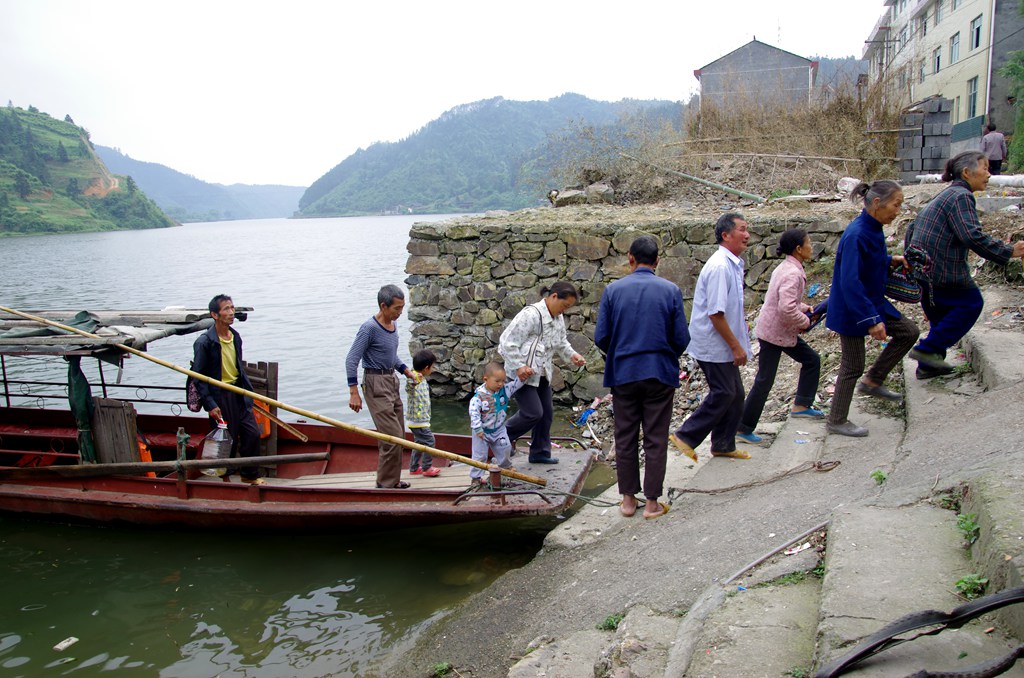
{"x": 73, "y": 189}
{"x": 67, "y": 118}
{"x": 130, "y": 185}
{"x": 62, "y": 153}
{"x": 22, "y": 184}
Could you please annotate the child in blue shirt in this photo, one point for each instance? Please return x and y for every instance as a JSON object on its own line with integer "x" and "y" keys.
{"x": 487, "y": 411}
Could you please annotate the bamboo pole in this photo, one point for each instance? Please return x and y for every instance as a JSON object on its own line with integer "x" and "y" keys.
{"x": 140, "y": 467}
{"x": 285, "y": 425}
{"x": 720, "y": 187}
{"x": 509, "y": 473}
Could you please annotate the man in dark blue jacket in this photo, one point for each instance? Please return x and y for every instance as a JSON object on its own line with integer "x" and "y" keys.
{"x": 641, "y": 327}
{"x": 218, "y": 355}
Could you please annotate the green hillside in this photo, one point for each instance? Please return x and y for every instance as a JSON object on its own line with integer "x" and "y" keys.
{"x": 51, "y": 181}
{"x": 492, "y": 154}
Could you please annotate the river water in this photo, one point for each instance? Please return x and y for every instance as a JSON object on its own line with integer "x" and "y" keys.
{"x": 182, "y": 604}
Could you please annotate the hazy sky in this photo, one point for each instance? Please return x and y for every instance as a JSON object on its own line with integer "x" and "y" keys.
{"x": 280, "y": 92}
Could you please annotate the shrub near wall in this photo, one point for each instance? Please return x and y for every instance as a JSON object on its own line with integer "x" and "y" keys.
{"x": 469, "y": 276}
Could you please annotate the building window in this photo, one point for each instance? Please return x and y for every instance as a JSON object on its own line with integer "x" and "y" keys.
{"x": 976, "y": 33}
{"x": 955, "y": 4}
{"x": 903, "y": 6}
{"x": 937, "y": 60}
{"x": 903, "y": 38}
{"x": 954, "y": 49}
{"x": 938, "y": 12}
{"x": 972, "y": 97}
{"x": 920, "y": 71}
{"x": 922, "y": 25}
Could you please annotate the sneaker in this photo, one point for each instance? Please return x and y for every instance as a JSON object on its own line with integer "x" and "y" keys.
{"x": 847, "y": 428}
{"x": 415, "y": 472}
{"x": 879, "y": 392}
{"x": 809, "y": 413}
{"x": 431, "y": 473}
{"x": 931, "y": 360}
{"x": 751, "y": 438}
{"x": 923, "y": 372}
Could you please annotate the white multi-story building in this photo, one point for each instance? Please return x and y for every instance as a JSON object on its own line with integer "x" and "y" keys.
{"x": 952, "y": 49}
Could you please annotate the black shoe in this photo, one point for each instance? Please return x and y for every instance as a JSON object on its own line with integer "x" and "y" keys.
{"x": 544, "y": 460}
{"x": 923, "y": 372}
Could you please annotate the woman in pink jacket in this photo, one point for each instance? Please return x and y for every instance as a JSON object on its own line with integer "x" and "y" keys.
{"x": 784, "y": 316}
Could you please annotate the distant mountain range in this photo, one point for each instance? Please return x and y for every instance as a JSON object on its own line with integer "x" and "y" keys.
{"x": 491, "y": 154}
{"x": 186, "y": 199}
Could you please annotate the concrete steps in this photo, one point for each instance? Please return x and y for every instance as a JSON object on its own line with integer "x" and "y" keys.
{"x": 899, "y": 551}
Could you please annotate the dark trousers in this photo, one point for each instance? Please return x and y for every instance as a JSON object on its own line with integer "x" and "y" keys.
{"x": 535, "y": 414}
{"x": 719, "y": 414}
{"x": 951, "y": 312}
{"x": 902, "y": 335}
{"x": 646, "y": 404}
{"x": 768, "y": 366}
{"x": 242, "y": 426}
{"x": 995, "y": 166}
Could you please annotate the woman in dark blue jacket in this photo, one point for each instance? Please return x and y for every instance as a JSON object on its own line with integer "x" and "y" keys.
{"x": 857, "y": 306}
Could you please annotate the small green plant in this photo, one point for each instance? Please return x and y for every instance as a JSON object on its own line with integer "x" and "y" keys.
{"x": 967, "y": 523}
{"x": 972, "y": 586}
{"x": 441, "y": 669}
{"x": 798, "y": 673}
{"x": 879, "y": 476}
{"x": 819, "y": 569}
{"x": 963, "y": 368}
{"x": 611, "y": 622}
{"x": 784, "y": 580}
{"x": 953, "y": 500}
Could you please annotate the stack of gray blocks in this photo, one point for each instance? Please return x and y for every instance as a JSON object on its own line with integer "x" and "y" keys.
{"x": 923, "y": 144}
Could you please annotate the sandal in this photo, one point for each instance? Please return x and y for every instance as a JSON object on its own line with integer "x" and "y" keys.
{"x": 663, "y": 511}
{"x": 735, "y": 454}
{"x": 627, "y": 513}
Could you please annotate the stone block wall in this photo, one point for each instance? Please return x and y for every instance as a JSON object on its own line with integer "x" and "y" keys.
{"x": 469, "y": 276}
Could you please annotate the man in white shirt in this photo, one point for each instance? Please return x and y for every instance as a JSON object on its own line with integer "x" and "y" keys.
{"x": 720, "y": 342}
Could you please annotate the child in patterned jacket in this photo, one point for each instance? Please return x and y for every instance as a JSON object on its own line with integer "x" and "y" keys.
{"x": 417, "y": 418}
{"x": 487, "y": 411}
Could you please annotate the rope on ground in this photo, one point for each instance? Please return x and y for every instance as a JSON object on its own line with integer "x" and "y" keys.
{"x": 820, "y": 466}
{"x": 511, "y": 486}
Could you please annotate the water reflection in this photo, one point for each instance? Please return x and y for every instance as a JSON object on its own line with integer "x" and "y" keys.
{"x": 179, "y": 604}
{"x": 193, "y": 604}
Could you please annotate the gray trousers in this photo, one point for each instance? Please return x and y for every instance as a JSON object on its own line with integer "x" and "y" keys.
{"x": 422, "y": 460}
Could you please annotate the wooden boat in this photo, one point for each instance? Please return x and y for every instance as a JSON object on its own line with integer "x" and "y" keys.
{"x": 41, "y": 473}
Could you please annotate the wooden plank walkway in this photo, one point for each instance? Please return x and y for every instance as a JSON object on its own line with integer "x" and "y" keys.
{"x": 455, "y": 477}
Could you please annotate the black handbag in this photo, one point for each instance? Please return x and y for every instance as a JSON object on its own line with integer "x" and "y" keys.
{"x": 903, "y": 285}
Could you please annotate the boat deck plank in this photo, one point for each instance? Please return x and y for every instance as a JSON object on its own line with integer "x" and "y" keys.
{"x": 454, "y": 477}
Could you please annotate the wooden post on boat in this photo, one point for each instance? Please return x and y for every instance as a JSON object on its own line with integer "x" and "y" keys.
{"x": 182, "y": 475}
{"x": 508, "y": 473}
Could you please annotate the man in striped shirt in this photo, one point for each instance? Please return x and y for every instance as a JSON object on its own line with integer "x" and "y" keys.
{"x": 376, "y": 346}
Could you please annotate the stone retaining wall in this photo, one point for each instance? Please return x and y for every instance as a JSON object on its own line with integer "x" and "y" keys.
{"x": 469, "y": 276}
